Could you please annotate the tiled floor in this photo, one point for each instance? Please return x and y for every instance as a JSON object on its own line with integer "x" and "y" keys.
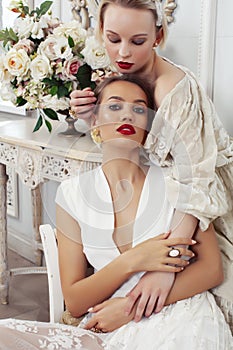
{"x": 28, "y": 294}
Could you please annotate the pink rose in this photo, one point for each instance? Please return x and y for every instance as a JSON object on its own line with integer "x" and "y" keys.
{"x": 71, "y": 68}
{"x": 26, "y": 45}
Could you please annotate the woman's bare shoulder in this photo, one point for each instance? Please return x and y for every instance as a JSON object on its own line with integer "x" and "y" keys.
{"x": 169, "y": 76}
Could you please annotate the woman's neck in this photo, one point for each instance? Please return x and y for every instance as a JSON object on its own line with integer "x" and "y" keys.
{"x": 150, "y": 71}
{"x": 122, "y": 165}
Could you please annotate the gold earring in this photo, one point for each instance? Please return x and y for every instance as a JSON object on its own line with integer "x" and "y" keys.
{"x": 96, "y": 137}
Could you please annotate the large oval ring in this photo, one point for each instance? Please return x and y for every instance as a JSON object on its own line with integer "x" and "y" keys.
{"x": 174, "y": 252}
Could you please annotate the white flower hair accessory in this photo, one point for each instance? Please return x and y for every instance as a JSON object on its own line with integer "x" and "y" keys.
{"x": 159, "y": 10}
{"x": 165, "y": 10}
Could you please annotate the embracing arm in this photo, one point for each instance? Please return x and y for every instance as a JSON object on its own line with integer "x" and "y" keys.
{"x": 183, "y": 225}
{"x": 205, "y": 273}
{"x": 153, "y": 288}
{"x": 96, "y": 288}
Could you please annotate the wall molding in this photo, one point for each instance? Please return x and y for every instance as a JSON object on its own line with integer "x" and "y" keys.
{"x": 20, "y": 244}
{"x": 207, "y": 44}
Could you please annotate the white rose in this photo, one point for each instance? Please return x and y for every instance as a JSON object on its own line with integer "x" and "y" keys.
{"x": 7, "y": 94}
{"x": 55, "y": 103}
{"x": 4, "y": 74}
{"x": 47, "y": 48}
{"x": 23, "y": 26}
{"x": 94, "y": 54}
{"x": 63, "y": 49}
{"x": 40, "y": 68}
{"x": 55, "y": 48}
{"x": 17, "y": 62}
{"x": 73, "y": 29}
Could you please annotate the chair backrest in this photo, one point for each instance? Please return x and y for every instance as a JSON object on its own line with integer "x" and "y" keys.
{"x": 56, "y": 301}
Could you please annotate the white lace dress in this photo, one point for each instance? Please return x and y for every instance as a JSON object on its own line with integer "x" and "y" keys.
{"x": 196, "y": 323}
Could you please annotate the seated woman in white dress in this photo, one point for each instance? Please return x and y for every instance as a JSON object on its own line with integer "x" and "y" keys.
{"x": 112, "y": 217}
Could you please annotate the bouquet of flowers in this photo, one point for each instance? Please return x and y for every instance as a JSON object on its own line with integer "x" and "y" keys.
{"x": 45, "y": 59}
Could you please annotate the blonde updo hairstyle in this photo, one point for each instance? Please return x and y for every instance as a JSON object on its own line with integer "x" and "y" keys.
{"x": 134, "y": 4}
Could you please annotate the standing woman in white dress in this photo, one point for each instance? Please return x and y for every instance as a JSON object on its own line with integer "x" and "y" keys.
{"x": 186, "y": 138}
{"x": 110, "y": 217}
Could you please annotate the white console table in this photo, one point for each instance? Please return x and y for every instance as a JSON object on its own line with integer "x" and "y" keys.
{"x": 37, "y": 157}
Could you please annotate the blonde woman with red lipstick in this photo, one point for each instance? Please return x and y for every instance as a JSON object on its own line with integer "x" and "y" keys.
{"x": 186, "y": 138}
{"x": 111, "y": 217}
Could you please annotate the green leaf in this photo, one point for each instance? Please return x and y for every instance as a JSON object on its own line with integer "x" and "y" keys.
{"x": 50, "y": 113}
{"x": 70, "y": 41}
{"x": 20, "y": 101}
{"x": 7, "y": 35}
{"x": 53, "y": 91}
{"x": 38, "y": 124}
{"x": 69, "y": 86}
{"x": 50, "y": 82}
{"x": 44, "y": 7}
{"x": 84, "y": 76}
{"x": 93, "y": 85}
{"x": 48, "y": 124}
{"x": 25, "y": 10}
{"x": 12, "y": 35}
{"x": 2, "y": 35}
{"x": 62, "y": 91}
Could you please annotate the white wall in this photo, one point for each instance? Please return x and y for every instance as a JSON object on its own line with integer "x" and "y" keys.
{"x": 183, "y": 35}
{"x": 223, "y": 75}
{"x": 184, "y": 38}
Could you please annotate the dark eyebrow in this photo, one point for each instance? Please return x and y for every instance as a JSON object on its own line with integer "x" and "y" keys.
{"x": 121, "y": 99}
{"x": 134, "y": 36}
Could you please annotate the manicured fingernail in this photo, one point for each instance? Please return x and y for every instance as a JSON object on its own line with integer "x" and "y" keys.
{"x": 194, "y": 241}
{"x": 90, "y": 309}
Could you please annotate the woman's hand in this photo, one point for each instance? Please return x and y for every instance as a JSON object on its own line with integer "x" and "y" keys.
{"x": 153, "y": 254}
{"x": 109, "y": 315}
{"x": 149, "y": 294}
{"x": 82, "y": 103}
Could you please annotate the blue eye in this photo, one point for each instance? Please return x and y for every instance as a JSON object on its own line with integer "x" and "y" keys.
{"x": 115, "y": 106}
{"x": 139, "y": 109}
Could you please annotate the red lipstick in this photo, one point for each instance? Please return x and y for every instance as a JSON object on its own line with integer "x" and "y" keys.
{"x": 124, "y": 65}
{"x": 126, "y": 129}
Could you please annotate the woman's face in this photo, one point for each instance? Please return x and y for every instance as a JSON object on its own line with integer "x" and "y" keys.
{"x": 129, "y": 36}
{"x": 123, "y": 114}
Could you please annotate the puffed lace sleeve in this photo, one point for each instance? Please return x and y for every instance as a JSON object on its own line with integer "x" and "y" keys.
{"x": 183, "y": 139}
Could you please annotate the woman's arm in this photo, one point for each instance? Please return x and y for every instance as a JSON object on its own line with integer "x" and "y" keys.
{"x": 101, "y": 285}
{"x": 204, "y": 273}
{"x": 183, "y": 225}
{"x": 153, "y": 288}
